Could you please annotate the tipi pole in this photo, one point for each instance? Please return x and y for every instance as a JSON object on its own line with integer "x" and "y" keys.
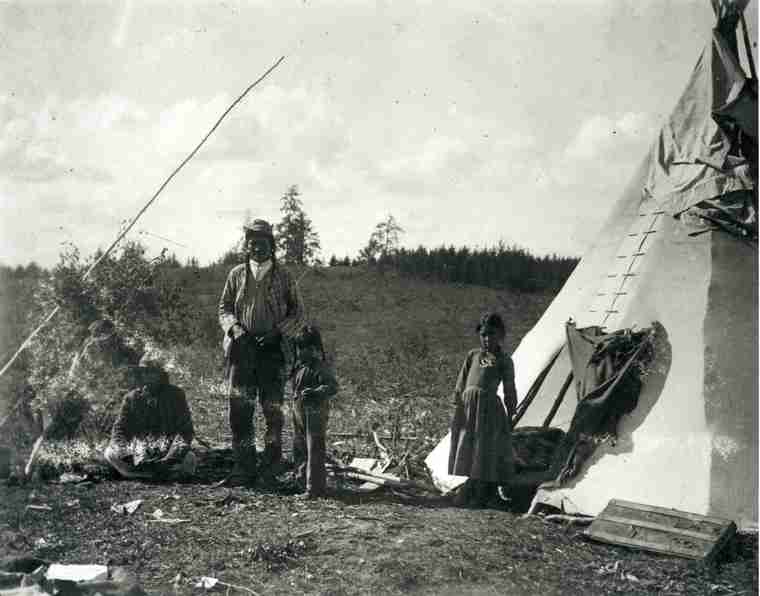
{"x": 748, "y": 47}
{"x": 143, "y": 210}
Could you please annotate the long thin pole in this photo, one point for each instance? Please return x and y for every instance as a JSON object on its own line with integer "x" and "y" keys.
{"x": 748, "y": 47}
{"x": 180, "y": 166}
{"x": 143, "y": 210}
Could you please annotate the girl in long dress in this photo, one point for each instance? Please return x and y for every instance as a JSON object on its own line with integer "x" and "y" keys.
{"x": 481, "y": 429}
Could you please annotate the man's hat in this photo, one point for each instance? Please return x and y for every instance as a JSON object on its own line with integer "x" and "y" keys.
{"x": 259, "y": 227}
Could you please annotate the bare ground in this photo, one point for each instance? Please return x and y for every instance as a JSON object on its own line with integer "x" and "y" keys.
{"x": 271, "y": 541}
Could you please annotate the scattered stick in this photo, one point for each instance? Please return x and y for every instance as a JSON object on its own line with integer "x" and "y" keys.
{"x": 379, "y": 479}
{"x": 236, "y": 587}
{"x": 203, "y": 442}
{"x": 33, "y": 456}
{"x": 39, "y": 507}
{"x": 570, "y": 520}
{"x": 384, "y": 453}
{"x": 364, "y": 477}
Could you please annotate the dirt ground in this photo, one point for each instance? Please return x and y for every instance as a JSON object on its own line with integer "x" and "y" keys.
{"x": 272, "y": 541}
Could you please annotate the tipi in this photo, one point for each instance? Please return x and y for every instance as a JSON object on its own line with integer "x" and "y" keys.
{"x": 679, "y": 249}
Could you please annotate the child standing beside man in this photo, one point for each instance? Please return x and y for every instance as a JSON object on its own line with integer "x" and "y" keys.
{"x": 313, "y": 386}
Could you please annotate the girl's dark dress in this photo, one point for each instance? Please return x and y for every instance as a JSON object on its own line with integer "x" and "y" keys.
{"x": 481, "y": 433}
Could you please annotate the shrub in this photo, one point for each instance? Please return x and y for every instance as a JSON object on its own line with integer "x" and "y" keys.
{"x": 136, "y": 293}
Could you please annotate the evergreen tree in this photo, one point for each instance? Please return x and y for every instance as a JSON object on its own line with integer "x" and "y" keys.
{"x": 296, "y": 237}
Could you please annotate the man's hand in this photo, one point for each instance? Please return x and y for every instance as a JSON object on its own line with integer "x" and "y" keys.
{"x": 237, "y": 331}
{"x": 271, "y": 338}
{"x": 314, "y": 391}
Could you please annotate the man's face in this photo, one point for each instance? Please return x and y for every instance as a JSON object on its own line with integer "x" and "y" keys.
{"x": 259, "y": 247}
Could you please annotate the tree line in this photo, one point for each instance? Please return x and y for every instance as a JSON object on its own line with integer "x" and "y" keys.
{"x": 500, "y": 266}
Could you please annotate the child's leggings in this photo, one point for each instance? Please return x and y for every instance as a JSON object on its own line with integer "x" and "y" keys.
{"x": 309, "y": 430}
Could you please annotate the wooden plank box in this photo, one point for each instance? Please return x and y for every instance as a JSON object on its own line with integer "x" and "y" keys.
{"x": 661, "y": 530}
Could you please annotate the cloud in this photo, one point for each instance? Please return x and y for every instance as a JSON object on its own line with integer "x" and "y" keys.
{"x": 121, "y": 29}
{"x": 602, "y": 135}
{"x": 600, "y": 156}
{"x": 463, "y": 158}
{"x": 64, "y": 139}
{"x": 105, "y": 113}
{"x": 274, "y": 129}
{"x": 431, "y": 164}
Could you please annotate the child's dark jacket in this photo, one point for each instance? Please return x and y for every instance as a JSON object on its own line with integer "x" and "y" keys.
{"x": 316, "y": 376}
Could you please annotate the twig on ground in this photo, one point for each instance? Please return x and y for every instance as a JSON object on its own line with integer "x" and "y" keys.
{"x": 33, "y": 456}
{"x": 379, "y": 479}
{"x": 203, "y": 442}
{"x": 236, "y": 587}
{"x": 384, "y": 453}
{"x": 569, "y": 519}
{"x": 402, "y": 461}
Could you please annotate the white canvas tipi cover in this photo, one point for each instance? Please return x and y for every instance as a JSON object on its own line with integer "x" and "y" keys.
{"x": 691, "y": 443}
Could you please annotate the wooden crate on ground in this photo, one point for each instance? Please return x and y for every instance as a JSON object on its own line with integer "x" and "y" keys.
{"x": 661, "y": 530}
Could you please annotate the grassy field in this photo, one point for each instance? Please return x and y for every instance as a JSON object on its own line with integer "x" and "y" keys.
{"x": 397, "y": 344}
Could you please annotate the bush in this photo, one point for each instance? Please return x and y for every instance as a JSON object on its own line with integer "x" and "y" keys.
{"x": 136, "y": 293}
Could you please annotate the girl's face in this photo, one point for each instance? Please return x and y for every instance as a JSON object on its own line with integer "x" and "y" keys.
{"x": 490, "y": 338}
{"x": 308, "y": 353}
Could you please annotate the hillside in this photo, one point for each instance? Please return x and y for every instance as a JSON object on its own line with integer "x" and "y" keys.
{"x": 397, "y": 343}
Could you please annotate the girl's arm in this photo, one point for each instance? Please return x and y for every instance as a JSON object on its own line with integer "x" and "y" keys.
{"x": 508, "y": 383}
{"x": 462, "y": 377}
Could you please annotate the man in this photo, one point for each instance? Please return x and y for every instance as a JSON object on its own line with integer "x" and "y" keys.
{"x": 260, "y": 311}
{"x": 153, "y": 432}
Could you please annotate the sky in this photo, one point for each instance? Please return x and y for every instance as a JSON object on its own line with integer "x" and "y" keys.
{"x": 470, "y": 122}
